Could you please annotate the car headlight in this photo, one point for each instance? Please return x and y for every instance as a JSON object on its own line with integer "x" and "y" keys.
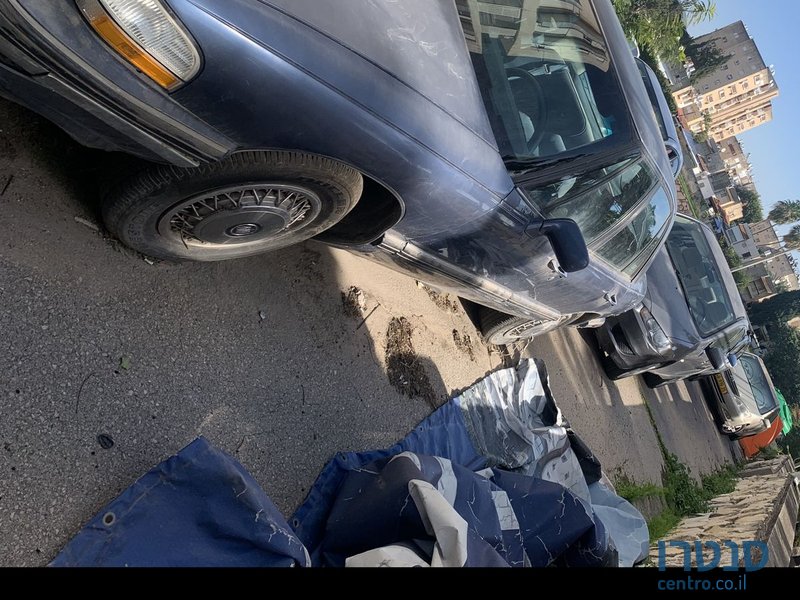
{"x": 145, "y": 34}
{"x": 655, "y": 335}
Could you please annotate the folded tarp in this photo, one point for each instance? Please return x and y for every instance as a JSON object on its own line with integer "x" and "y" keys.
{"x": 495, "y": 477}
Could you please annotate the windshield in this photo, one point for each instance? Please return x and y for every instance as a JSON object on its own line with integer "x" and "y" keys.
{"x": 698, "y": 272}
{"x": 545, "y": 76}
{"x": 762, "y": 390}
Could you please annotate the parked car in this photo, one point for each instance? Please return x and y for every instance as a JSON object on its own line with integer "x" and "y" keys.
{"x": 691, "y": 321}
{"x": 505, "y": 153}
{"x": 663, "y": 116}
{"x": 744, "y": 395}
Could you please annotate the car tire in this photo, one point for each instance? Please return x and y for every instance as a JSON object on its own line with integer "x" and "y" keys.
{"x": 249, "y": 203}
{"x": 654, "y": 381}
{"x": 612, "y": 371}
{"x": 501, "y": 329}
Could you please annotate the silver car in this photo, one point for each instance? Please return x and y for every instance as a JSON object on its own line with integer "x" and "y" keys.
{"x": 744, "y": 395}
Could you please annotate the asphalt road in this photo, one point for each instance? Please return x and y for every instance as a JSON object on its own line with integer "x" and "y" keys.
{"x": 109, "y": 364}
{"x": 612, "y": 416}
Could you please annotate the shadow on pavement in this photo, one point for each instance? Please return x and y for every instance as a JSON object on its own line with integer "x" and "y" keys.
{"x": 109, "y": 364}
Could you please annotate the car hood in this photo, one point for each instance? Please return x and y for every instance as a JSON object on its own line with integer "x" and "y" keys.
{"x": 666, "y": 301}
{"x": 417, "y": 42}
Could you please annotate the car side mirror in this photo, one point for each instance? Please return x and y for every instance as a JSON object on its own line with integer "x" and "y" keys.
{"x": 732, "y": 360}
{"x": 567, "y": 241}
{"x": 716, "y": 357}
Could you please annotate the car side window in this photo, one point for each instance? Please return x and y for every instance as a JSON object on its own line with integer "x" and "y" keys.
{"x": 546, "y": 78}
{"x": 599, "y": 199}
{"x": 632, "y": 246}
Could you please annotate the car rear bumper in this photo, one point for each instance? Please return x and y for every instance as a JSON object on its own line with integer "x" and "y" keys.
{"x": 52, "y": 63}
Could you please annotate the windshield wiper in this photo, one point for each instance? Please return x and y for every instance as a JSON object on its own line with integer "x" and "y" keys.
{"x": 522, "y": 165}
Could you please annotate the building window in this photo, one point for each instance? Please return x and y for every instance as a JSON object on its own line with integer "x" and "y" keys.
{"x": 732, "y": 89}
{"x": 737, "y": 62}
{"x": 730, "y": 77}
{"x": 705, "y": 87}
{"x": 757, "y": 79}
{"x": 716, "y": 82}
{"x": 721, "y": 94}
{"x": 725, "y": 67}
{"x": 749, "y": 58}
{"x": 745, "y": 85}
{"x": 746, "y": 255}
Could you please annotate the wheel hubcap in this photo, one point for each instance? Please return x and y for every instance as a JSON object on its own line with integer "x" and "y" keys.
{"x": 243, "y": 229}
{"x": 522, "y": 329}
{"x": 240, "y": 215}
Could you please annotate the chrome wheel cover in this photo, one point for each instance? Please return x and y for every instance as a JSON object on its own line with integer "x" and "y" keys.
{"x": 246, "y": 214}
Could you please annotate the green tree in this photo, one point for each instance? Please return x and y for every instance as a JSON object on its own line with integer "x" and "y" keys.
{"x": 753, "y": 210}
{"x": 792, "y": 239}
{"x": 660, "y": 24}
{"x": 783, "y": 357}
{"x": 742, "y": 278}
{"x": 785, "y": 211}
{"x": 778, "y": 309}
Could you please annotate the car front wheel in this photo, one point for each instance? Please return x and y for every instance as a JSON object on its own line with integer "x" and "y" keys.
{"x": 500, "y": 329}
{"x": 249, "y": 203}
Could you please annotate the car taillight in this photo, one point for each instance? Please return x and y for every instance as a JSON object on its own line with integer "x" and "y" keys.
{"x": 145, "y": 34}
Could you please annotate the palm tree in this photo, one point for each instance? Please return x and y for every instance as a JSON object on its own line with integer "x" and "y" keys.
{"x": 792, "y": 239}
{"x": 785, "y": 211}
{"x": 696, "y": 11}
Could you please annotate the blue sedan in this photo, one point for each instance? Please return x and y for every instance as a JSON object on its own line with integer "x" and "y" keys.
{"x": 505, "y": 151}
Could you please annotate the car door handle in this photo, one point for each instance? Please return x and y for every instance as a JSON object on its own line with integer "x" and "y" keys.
{"x": 610, "y": 298}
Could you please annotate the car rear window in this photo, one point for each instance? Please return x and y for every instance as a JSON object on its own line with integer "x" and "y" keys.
{"x": 546, "y": 78}
{"x": 697, "y": 269}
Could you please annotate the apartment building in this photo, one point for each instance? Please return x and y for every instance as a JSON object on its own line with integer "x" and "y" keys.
{"x": 736, "y": 96}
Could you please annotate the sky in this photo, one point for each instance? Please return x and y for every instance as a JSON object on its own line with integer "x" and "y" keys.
{"x": 774, "y": 147}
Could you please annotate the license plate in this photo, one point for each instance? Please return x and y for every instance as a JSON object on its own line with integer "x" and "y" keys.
{"x": 723, "y": 387}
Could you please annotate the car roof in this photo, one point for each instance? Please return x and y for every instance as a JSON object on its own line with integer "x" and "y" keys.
{"x": 635, "y": 94}
{"x": 662, "y": 112}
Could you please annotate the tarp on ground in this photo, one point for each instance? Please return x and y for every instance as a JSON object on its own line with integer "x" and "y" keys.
{"x": 786, "y": 413}
{"x": 495, "y": 477}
